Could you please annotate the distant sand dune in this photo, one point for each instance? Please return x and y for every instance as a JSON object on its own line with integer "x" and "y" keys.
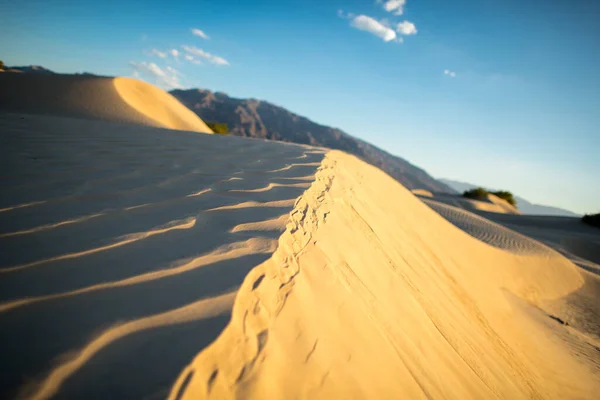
{"x": 110, "y": 99}
{"x": 492, "y": 204}
{"x": 488, "y": 231}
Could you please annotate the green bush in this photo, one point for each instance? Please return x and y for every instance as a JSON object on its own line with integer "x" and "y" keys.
{"x": 481, "y": 194}
{"x": 219, "y": 128}
{"x": 592, "y": 219}
{"x": 508, "y": 196}
{"x": 478, "y": 193}
{"x": 2, "y": 67}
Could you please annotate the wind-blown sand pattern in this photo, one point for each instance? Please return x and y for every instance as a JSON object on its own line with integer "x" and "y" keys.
{"x": 488, "y": 231}
{"x": 145, "y": 263}
{"x": 123, "y": 248}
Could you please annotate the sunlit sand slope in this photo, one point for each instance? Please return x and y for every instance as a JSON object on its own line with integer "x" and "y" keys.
{"x": 104, "y": 98}
{"x": 371, "y": 294}
{"x": 492, "y": 204}
{"x": 122, "y": 248}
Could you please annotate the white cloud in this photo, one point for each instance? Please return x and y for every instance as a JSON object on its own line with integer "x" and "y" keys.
{"x": 449, "y": 73}
{"x": 406, "y": 28}
{"x": 394, "y": 6}
{"x": 211, "y": 58}
{"x": 158, "y": 53}
{"x": 198, "y": 32}
{"x": 190, "y": 58}
{"x": 168, "y": 78}
{"x": 377, "y": 28}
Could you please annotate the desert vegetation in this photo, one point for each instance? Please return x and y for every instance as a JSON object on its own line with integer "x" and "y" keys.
{"x": 592, "y": 219}
{"x": 219, "y": 128}
{"x": 481, "y": 194}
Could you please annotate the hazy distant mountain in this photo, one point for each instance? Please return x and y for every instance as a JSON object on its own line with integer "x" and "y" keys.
{"x": 30, "y": 69}
{"x": 36, "y": 69}
{"x": 523, "y": 205}
{"x": 260, "y": 119}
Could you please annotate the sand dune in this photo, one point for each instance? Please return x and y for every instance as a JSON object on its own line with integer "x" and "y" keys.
{"x": 84, "y": 96}
{"x": 492, "y": 204}
{"x": 144, "y": 263}
{"x": 372, "y": 296}
{"x": 489, "y": 232}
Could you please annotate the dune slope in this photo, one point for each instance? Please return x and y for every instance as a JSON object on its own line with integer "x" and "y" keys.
{"x": 122, "y": 248}
{"x": 104, "y": 98}
{"x": 377, "y": 296}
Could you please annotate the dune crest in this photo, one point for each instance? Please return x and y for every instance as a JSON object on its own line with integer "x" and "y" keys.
{"x": 371, "y": 296}
{"x": 96, "y": 97}
{"x": 158, "y": 105}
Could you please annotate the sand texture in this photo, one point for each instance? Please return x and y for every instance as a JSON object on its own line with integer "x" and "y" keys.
{"x": 122, "y": 248}
{"x": 147, "y": 263}
{"x": 96, "y": 97}
{"x": 492, "y": 204}
{"x": 371, "y": 294}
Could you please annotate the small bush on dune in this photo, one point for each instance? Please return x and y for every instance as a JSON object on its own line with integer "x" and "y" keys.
{"x": 592, "y": 219}
{"x": 481, "y": 194}
{"x": 478, "y": 194}
{"x": 219, "y": 128}
{"x": 508, "y": 196}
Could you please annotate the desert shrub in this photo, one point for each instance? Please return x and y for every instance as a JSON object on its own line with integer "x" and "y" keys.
{"x": 481, "y": 194}
{"x": 478, "y": 193}
{"x": 219, "y": 128}
{"x": 592, "y": 219}
{"x": 508, "y": 196}
{"x": 2, "y": 67}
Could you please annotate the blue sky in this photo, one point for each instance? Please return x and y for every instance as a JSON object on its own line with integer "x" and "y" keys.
{"x": 502, "y": 93}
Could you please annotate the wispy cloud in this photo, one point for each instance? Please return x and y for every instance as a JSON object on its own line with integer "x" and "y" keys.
{"x": 449, "y": 73}
{"x": 164, "y": 54}
{"x": 371, "y": 25}
{"x": 198, "y": 32}
{"x": 190, "y": 58}
{"x": 344, "y": 15}
{"x": 173, "y": 71}
{"x": 167, "y": 78}
{"x": 406, "y": 28}
{"x": 211, "y": 58}
{"x": 393, "y": 6}
{"x": 158, "y": 53}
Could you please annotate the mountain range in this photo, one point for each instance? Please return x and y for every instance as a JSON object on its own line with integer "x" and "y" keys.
{"x": 261, "y": 119}
{"x": 523, "y": 205}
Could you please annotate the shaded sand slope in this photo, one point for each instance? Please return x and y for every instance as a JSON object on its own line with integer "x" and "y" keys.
{"x": 83, "y": 96}
{"x": 122, "y": 247}
{"x": 371, "y": 294}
